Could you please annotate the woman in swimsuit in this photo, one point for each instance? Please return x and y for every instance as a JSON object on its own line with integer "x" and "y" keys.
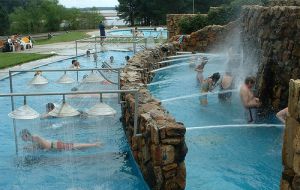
{"x": 42, "y": 143}
{"x": 207, "y": 86}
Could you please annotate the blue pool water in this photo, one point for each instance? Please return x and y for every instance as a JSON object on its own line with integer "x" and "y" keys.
{"x": 108, "y": 167}
{"x": 221, "y": 154}
{"x": 146, "y": 32}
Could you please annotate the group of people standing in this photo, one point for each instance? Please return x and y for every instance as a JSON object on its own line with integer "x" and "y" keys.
{"x": 225, "y": 83}
{"x": 226, "y": 86}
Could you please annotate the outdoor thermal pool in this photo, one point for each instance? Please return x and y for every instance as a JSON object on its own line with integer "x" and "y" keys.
{"x": 146, "y": 32}
{"x": 110, "y": 166}
{"x": 224, "y": 151}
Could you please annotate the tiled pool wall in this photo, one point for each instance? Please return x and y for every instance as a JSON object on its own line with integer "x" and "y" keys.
{"x": 160, "y": 149}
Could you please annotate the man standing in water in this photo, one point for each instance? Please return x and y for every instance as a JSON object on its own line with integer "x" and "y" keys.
{"x": 249, "y": 101}
{"x": 102, "y": 32}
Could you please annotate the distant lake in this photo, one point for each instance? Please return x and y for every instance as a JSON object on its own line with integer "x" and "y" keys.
{"x": 111, "y": 18}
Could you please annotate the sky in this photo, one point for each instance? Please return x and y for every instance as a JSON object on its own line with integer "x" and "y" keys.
{"x": 88, "y": 3}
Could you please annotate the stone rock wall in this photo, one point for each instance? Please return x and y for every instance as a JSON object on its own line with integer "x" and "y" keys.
{"x": 284, "y": 2}
{"x": 271, "y": 45}
{"x": 172, "y": 23}
{"x": 160, "y": 150}
{"x": 211, "y": 38}
{"x": 290, "y": 179}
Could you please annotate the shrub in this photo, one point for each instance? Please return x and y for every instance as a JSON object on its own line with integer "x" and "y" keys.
{"x": 190, "y": 25}
{"x": 219, "y": 16}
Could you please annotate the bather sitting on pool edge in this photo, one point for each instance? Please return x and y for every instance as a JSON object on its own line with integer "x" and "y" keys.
{"x": 44, "y": 144}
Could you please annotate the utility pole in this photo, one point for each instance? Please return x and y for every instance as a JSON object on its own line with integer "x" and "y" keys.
{"x": 193, "y": 6}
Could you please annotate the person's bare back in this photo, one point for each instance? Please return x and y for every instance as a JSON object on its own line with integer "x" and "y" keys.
{"x": 226, "y": 81}
{"x": 249, "y": 101}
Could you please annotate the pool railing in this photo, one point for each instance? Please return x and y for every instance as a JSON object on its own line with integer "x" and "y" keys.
{"x": 112, "y": 39}
{"x": 25, "y": 95}
{"x": 116, "y": 70}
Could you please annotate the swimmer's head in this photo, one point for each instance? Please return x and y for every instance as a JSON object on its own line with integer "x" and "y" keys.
{"x": 37, "y": 73}
{"x": 49, "y": 107}
{"x": 84, "y": 76}
{"x": 127, "y": 57}
{"x": 25, "y": 135}
{"x": 205, "y": 58}
{"x": 250, "y": 81}
{"x": 74, "y": 88}
{"x": 88, "y": 53}
{"x": 111, "y": 58}
{"x": 215, "y": 77}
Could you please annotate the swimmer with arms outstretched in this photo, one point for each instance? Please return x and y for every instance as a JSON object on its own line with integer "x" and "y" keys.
{"x": 44, "y": 144}
{"x": 199, "y": 69}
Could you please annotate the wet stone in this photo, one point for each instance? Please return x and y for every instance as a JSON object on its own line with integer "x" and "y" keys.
{"x": 172, "y": 141}
{"x": 167, "y": 154}
{"x": 169, "y": 167}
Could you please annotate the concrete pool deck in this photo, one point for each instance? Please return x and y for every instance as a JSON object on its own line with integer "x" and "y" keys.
{"x": 62, "y": 50}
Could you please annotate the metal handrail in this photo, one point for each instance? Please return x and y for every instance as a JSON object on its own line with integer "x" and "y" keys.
{"x": 56, "y": 70}
{"x": 134, "y": 91}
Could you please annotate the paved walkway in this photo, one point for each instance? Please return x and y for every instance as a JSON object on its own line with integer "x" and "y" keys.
{"x": 4, "y": 73}
{"x": 63, "y": 50}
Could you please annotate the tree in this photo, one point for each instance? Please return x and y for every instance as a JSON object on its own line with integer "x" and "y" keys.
{"x": 4, "y": 22}
{"x": 127, "y": 10}
{"x": 47, "y": 15}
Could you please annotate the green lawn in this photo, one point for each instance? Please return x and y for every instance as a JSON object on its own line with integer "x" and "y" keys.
{"x": 12, "y": 59}
{"x": 67, "y": 37}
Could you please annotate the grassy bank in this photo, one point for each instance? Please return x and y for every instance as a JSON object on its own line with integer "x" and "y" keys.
{"x": 12, "y": 59}
{"x": 67, "y": 37}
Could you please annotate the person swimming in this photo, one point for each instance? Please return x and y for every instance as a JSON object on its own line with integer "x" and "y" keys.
{"x": 41, "y": 143}
{"x": 88, "y": 53}
{"x": 111, "y": 59}
{"x": 75, "y": 64}
{"x": 49, "y": 107}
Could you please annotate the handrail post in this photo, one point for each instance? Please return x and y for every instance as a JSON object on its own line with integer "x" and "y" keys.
{"x": 134, "y": 47}
{"x": 76, "y": 46}
{"x": 77, "y": 77}
{"x": 95, "y": 44}
{"x": 119, "y": 85}
{"x": 12, "y": 109}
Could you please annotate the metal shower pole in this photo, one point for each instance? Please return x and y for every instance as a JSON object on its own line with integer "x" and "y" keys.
{"x": 193, "y": 6}
{"x": 12, "y": 109}
{"x": 76, "y": 48}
